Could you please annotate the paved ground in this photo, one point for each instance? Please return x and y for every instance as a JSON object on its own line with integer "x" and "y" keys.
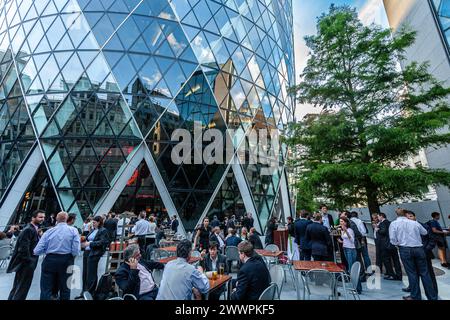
{"x": 374, "y": 289}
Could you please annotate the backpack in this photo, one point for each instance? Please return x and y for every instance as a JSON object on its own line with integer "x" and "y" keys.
{"x": 105, "y": 288}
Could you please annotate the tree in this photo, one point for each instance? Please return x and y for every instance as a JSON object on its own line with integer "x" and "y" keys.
{"x": 375, "y": 115}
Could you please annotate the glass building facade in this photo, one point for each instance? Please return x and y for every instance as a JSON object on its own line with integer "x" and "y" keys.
{"x": 442, "y": 9}
{"x": 97, "y": 88}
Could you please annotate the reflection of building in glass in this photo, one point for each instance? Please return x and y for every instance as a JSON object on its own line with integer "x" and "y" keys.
{"x": 91, "y": 93}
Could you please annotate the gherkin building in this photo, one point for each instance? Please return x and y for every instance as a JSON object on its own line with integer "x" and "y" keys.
{"x": 92, "y": 91}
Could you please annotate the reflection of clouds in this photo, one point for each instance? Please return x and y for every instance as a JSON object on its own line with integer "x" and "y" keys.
{"x": 372, "y": 12}
{"x": 175, "y": 44}
{"x": 201, "y": 48}
{"x": 152, "y": 80}
{"x": 254, "y": 68}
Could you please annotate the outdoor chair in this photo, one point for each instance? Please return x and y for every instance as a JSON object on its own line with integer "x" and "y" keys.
{"x": 269, "y": 293}
{"x": 129, "y": 296}
{"x": 319, "y": 283}
{"x": 232, "y": 254}
{"x": 117, "y": 299}
{"x": 87, "y": 296}
{"x": 196, "y": 254}
{"x": 5, "y": 253}
{"x": 351, "y": 281}
{"x": 157, "y": 275}
{"x": 277, "y": 276}
{"x": 272, "y": 247}
{"x": 159, "y": 254}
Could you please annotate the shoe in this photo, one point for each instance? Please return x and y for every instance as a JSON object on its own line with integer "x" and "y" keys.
{"x": 398, "y": 278}
{"x": 80, "y": 297}
{"x": 389, "y": 278}
{"x": 406, "y": 289}
{"x": 445, "y": 265}
{"x": 408, "y": 298}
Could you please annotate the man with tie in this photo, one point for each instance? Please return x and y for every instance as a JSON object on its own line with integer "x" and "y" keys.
{"x": 60, "y": 245}
{"x": 23, "y": 261}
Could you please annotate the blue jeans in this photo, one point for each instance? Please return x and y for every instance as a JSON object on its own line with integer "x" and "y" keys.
{"x": 415, "y": 262}
{"x": 365, "y": 254}
{"x": 351, "y": 255}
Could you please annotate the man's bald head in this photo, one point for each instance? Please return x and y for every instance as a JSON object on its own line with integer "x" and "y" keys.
{"x": 62, "y": 217}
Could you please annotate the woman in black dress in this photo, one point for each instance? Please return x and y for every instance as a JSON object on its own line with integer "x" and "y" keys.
{"x": 202, "y": 236}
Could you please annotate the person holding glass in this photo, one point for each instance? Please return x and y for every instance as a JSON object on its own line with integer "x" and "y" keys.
{"x": 213, "y": 261}
{"x": 348, "y": 243}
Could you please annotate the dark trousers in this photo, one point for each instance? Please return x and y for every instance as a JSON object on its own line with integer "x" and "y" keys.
{"x": 305, "y": 254}
{"x": 54, "y": 269}
{"x": 151, "y": 295}
{"x": 415, "y": 263}
{"x": 85, "y": 270}
{"x": 390, "y": 257}
{"x": 321, "y": 258}
{"x": 22, "y": 282}
{"x": 378, "y": 258}
{"x": 430, "y": 256}
{"x": 92, "y": 271}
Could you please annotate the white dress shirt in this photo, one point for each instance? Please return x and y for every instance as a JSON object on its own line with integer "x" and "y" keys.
{"x": 141, "y": 228}
{"x": 147, "y": 282}
{"x": 360, "y": 224}
{"x": 406, "y": 233}
{"x": 325, "y": 221}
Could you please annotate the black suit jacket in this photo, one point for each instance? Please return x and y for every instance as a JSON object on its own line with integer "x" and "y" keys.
{"x": 383, "y": 235}
{"x": 128, "y": 280}
{"x": 253, "y": 278}
{"x": 300, "y": 233}
{"x": 255, "y": 240}
{"x": 206, "y": 263}
{"x": 320, "y": 239}
{"x": 174, "y": 225}
{"x": 248, "y": 223}
{"x": 111, "y": 226}
{"x": 100, "y": 243}
{"x": 23, "y": 252}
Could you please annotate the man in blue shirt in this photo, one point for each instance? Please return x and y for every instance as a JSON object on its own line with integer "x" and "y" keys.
{"x": 60, "y": 245}
{"x": 181, "y": 279}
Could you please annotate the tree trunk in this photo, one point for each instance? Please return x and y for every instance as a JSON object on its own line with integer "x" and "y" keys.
{"x": 372, "y": 199}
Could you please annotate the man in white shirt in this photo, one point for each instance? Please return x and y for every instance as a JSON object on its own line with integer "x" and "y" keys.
{"x": 362, "y": 228}
{"x": 407, "y": 235}
{"x": 121, "y": 224}
{"x": 141, "y": 229}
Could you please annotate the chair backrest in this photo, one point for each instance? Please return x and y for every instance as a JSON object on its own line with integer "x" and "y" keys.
{"x": 160, "y": 254}
{"x": 354, "y": 273}
{"x": 232, "y": 253}
{"x": 277, "y": 275}
{"x": 164, "y": 243}
{"x": 116, "y": 298}
{"x": 129, "y": 296}
{"x": 87, "y": 296}
{"x": 5, "y": 252}
{"x": 272, "y": 247}
{"x": 269, "y": 293}
{"x": 157, "y": 275}
{"x": 196, "y": 254}
{"x": 105, "y": 287}
{"x": 320, "y": 282}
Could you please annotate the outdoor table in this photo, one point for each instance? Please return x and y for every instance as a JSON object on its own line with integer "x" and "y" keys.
{"x": 192, "y": 260}
{"x": 304, "y": 266}
{"x": 219, "y": 283}
{"x": 269, "y": 254}
{"x": 172, "y": 249}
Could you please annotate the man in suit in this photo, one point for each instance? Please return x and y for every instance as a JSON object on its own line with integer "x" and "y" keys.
{"x": 253, "y": 277}
{"x": 320, "y": 239}
{"x": 217, "y": 238}
{"x": 174, "y": 224}
{"x": 254, "y": 239}
{"x": 327, "y": 219}
{"x": 248, "y": 221}
{"x": 111, "y": 225}
{"x": 300, "y": 236}
{"x": 389, "y": 253}
{"x": 23, "y": 261}
{"x": 212, "y": 261}
{"x": 135, "y": 276}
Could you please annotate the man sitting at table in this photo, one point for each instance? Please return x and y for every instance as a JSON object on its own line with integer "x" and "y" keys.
{"x": 212, "y": 261}
{"x": 181, "y": 279}
{"x": 135, "y": 277}
{"x": 253, "y": 277}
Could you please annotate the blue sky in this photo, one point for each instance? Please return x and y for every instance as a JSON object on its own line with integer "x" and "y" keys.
{"x": 305, "y": 14}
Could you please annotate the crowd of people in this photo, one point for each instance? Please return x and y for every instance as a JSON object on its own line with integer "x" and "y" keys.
{"x": 317, "y": 237}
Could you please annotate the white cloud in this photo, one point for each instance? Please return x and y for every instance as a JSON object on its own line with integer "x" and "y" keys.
{"x": 372, "y": 12}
